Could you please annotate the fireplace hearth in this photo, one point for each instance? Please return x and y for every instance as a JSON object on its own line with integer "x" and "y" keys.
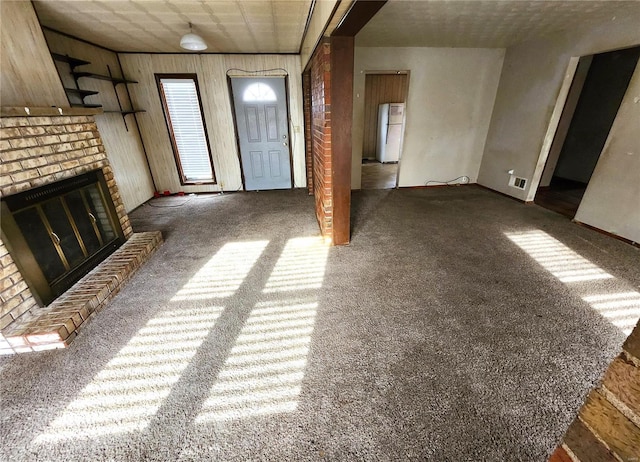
{"x": 62, "y": 214}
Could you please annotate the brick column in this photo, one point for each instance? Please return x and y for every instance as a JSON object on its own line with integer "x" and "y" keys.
{"x": 308, "y": 139}
{"x": 320, "y": 87}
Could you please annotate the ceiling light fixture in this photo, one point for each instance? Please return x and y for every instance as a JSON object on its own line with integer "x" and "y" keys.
{"x": 192, "y": 41}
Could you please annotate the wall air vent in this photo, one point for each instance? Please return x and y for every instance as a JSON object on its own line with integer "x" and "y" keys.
{"x": 517, "y": 182}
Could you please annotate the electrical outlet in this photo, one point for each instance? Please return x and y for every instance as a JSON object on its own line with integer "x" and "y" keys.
{"x": 517, "y": 182}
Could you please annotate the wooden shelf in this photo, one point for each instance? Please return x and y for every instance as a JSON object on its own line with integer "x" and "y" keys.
{"x": 69, "y": 60}
{"x": 86, "y": 105}
{"x": 133, "y": 111}
{"x": 91, "y": 75}
{"x": 81, "y": 93}
{"x": 48, "y": 111}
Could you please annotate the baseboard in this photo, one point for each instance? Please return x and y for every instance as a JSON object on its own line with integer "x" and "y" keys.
{"x": 505, "y": 195}
{"x": 437, "y": 186}
{"x": 607, "y": 233}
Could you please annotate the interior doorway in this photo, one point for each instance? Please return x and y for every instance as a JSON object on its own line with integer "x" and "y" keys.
{"x": 380, "y": 88}
{"x": 597, "y": 90}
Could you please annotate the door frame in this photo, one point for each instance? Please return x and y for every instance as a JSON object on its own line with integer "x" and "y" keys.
{"x": 285, "y": 77}
{"x": 552, "y": 127}
{"x": 406, "y": 72}
{"x": 557, "y": 114}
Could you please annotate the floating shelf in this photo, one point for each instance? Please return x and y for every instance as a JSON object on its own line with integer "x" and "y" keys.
{"x": 91, "y": 75}
{"x": 47, "y": 111}
{"x": 133, "y": 111}
{"x": 68, "y": 59}
{"x": 81, "y": 93}
{"x": 86, "y": 105}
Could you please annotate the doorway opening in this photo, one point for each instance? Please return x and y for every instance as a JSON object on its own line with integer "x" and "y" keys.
{"x": 262, "y": 128}
{"x": 595, "y": 95}
{"x": 384, "y": 114}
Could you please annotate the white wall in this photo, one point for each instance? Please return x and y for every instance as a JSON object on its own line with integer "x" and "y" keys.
{"x": 612, "y": 199}
{"x": 216, "y": 102}
{"x": 531, "y": 78}
{"x": 451, "y": 95}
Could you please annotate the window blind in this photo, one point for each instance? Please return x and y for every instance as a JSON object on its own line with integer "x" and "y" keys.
{"x": 181, "y": 99}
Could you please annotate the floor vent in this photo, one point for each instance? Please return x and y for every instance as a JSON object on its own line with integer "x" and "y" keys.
{"x": 517, "y": 182}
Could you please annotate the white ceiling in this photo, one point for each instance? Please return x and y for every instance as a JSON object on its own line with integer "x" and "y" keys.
{"x": 277, "y": 26}
{"x": 228, "y": 26}
{"x": 484, "y": 24}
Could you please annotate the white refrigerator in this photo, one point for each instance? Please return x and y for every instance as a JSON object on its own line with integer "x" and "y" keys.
{"x": 390, "y": 132}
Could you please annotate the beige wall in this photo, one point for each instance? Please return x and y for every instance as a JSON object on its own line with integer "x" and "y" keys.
{"x": 216, "y": 101}
{"x": 319, "y": 19}
{"x": 123, "y": 144}
{"x": 612, "y": 199}
{"x": 27, "y": 74}
{"x": 531, "y": 79}
{"x": 451, "y": 95}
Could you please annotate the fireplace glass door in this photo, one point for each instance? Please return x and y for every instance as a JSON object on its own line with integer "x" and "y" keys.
{"x": 66, "y": 230}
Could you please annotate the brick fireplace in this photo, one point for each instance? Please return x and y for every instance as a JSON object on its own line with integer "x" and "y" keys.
{"x": 39, "y": 149}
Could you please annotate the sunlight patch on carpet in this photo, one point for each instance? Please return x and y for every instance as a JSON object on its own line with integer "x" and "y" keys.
{"x": 622, "y": 309}
{"x": 300, "y": 267}
{"x": 128, "y": 391}
{"x": 264, "y": 371}
{"x": 222, "y": 276}
{"x": 557, "y": 258}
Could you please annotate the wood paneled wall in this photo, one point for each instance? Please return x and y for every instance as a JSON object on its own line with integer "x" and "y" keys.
{"x": 122, "y": 144}
{"x": 212, "y": 72}
{"x": 380, "y": 89}
{"x": 28, "y": 75}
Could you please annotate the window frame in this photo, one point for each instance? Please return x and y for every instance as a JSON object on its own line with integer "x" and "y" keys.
{"x": 167, "y": 119}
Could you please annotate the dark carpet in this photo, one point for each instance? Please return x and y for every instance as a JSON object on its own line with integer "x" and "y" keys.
{"x": 459, "y": 325}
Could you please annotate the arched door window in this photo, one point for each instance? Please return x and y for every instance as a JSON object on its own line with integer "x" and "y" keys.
{"x": 259, "y": 92}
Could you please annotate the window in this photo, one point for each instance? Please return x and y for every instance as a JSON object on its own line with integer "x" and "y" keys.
{"x": 183, "y": 112}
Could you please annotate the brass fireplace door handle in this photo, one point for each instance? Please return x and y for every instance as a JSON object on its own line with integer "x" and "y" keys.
{"x": 55, "y": 238}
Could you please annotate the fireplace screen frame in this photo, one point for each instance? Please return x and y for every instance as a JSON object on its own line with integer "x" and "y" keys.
{"x": 46, "y": 290}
